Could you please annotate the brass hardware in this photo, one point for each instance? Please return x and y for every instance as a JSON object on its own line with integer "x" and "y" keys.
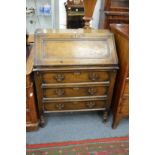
{"x": 59, "y": 77}
{"x": 60, "y": 106}
{"x": 60, "y": 92}
{"x": 90, "y": 104}
{"x": 93, "y": 76}
{"x": 92, "y": 91}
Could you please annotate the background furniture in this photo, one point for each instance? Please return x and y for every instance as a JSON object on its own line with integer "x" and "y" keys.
{"x": 114, "y": 11}
{"x": 121, "y": 91}
{"x": 74, "y": 14}
{"x": 74, "y": 70}
{"x": 32, "y": 121}
{"x": 89, "y": 7}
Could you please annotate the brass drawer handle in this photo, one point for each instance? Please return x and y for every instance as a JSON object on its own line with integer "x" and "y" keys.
{"x": 90, "y": 104}
{"x": 59, "y": 77}
{"x": 93, "y": 76}
{"x": 60, "y": 106}
{"x": 92, "y": 91}
{"x": 60, "y": 92}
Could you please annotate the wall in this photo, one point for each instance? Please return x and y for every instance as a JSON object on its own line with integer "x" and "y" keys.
{"x": 96, "y": 15}
{"x": 34, "y": 21}
{"x": 62, "y": 14}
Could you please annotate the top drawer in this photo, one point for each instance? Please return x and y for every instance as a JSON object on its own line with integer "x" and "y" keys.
{"x": 75, "y": 76}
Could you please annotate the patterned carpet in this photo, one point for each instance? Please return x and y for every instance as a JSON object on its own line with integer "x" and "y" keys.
{"x": 104, "y": 146}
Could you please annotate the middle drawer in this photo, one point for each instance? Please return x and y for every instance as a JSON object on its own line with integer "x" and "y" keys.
{"x": 74, "y": 91}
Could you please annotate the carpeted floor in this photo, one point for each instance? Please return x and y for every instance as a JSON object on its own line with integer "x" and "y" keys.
{"x": 104, "y": 146}
{"x": 76, "y": 126}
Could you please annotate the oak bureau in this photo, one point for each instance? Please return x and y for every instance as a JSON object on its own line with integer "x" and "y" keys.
{"x": 74, "y": 70}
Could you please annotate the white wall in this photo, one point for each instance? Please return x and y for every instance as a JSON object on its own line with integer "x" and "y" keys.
{"x": 41, "y": 21}
{"x": 62, "y": 14}
{"x": 96, "y": 15}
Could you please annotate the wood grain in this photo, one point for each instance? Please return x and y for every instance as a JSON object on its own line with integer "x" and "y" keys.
{"x": 74, "y": 70}
{"x": 32, "y": 121}
{"x": 114, "y": 12}
{"x": 74, "y": 47}
{"x": 121, "y": 91}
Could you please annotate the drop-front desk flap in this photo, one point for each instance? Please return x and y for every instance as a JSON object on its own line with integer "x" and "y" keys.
{"x": 74, "y": 47}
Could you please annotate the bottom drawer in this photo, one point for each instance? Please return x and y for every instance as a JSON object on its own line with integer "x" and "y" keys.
{"x": 75, "y": 105}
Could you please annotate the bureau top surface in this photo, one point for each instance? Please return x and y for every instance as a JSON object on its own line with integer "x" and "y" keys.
{"x": 74, "y": 47}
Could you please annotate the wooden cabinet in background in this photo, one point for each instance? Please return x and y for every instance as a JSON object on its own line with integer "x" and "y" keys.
{"x": 114, "y": 12}
{"x": 121, "y": 91}
{"x": 74, "y": 70}
{"x": 32, "y": 121}
{"x": 74, "y": 14}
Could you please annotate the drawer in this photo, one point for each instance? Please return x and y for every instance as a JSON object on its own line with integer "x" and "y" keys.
{"x": 74, "y": 105}
{"x": 124, "y": 106}
{"x": 75, "y": 76}
{"x": 75, "y": 91}
{"x": 126, "y": 87}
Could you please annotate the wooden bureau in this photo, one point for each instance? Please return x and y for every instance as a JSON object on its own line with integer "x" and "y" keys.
{"x": 121, "y": 91}
{"x": 74, "y": 70}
